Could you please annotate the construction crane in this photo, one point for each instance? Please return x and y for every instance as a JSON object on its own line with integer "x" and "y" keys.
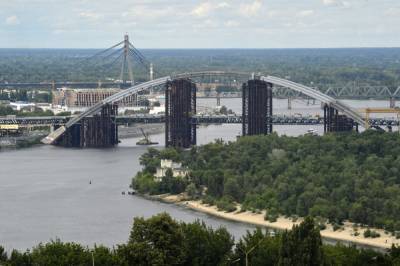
{"x": 146, "y": 140}
{"x": 369, "y": 111}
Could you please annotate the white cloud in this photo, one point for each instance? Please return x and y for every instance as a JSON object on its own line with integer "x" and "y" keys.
{"x": 205, "y": 9}
{"x": 231, "y": 23}
{"x": 393, "y": 11}
{"x": 339, "y": 3}
{"x": 329, "y": 2}
{"x": 12, "y": 20}
{"x": 90, "y": 15}
{"x": 305, "y": 13}
{"x": 208, "y": 23}
{"x": 346, "y": 4}
{"x": 223, "y": 5}
{"x": 194, "y": 22}
{"x": 252, "y": 9}
{"x": 202, "y": 10}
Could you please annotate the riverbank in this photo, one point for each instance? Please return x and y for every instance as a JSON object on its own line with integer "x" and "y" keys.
{"x": 24, "y": 141}
{"x": 346, "y": 234}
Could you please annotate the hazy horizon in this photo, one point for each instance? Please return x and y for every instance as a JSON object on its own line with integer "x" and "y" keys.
{"x": 201, "y": 48}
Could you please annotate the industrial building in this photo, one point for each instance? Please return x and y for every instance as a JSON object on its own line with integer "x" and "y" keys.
{"x": 83, "y": 98}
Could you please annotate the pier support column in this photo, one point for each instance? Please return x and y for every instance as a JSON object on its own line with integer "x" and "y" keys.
{"x": 392, "y": 102}
{"x": 180, "y": 106}
{"x": 99, "y": 131}
{"x": 289, "y": 103}
{"x": 335, "y": 122}
{"x": 256, "y": 108}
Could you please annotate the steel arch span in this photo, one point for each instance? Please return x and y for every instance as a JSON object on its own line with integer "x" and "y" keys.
{"x": 340, "y": 106}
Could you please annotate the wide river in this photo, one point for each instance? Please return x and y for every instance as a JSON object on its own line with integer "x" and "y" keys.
{"x": 45, "y": 191}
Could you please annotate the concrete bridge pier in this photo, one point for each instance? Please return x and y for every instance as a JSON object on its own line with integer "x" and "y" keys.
{"x": 392, "y": 102}
{"x": 289, "y": 103}
{"x": 335, "y": 122}
{"x": 256, "y": 108}
{"x": 98, "y": 131}
{"x": 180, "y": 106}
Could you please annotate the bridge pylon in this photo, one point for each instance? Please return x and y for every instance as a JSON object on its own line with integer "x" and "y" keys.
{"x": 256, "y": 107}
{"x": 126, "y": 63}
{"x": 180, "y": 106}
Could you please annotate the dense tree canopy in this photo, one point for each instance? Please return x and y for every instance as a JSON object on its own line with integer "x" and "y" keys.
{"x": 160, "y": 240}
{"x": 336, "y": 176}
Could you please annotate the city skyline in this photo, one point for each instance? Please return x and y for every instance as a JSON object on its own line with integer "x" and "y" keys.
{"x": 200, "y": 24}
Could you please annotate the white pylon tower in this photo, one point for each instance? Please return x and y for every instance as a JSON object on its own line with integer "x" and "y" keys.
{"x": 151, "y": 71}
{"x": 126, "y": 62}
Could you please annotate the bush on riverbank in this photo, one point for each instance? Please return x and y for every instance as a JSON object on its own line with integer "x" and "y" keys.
{"x": 145, "y": 183}
{"x": 371, "y": 233}
{"x": 226, "y": 204}
{"x": 340, "y": 177}
{"x": 161, "y": 240}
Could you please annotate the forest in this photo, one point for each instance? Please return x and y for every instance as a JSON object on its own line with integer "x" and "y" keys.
{"x": 161, "y": 240}
{"x": 338, "y": 177}
{"x": 322, "y": 67}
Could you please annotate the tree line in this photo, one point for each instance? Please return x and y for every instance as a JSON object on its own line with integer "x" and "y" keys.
{"x": 7, "y": 110}
{"x": 336, "y": 67}
{"x": 161, "y": 240}
{"x": 336, "y": 177}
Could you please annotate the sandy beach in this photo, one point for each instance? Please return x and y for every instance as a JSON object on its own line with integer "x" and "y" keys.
{"x": 345, "y": 234}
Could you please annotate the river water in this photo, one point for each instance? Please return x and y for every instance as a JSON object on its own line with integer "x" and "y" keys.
{"x": 45, "y": 191}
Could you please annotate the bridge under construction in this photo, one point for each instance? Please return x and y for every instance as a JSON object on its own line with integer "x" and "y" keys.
{"x": 97, "y": 126}
{"x": 181, "y": 108}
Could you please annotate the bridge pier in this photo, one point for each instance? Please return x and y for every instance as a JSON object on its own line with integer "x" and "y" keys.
{"x": 392, "y": 102}
{"x": 334, "y": 122}
{"x": 256, "y": 108}
{"x": 289, "y": 103}
{"x": 99, "y": 131}
{"x": 180, "y": 106}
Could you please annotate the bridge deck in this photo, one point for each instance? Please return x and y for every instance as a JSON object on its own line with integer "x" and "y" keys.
{"x": 198, "y": 119}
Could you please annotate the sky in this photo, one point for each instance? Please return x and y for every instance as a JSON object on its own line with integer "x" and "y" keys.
{"x": 200, "y": 24}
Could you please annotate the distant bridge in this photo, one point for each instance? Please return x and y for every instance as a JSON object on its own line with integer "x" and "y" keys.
{"x": 197, "y": 119}
{"x": 346, "y": 92}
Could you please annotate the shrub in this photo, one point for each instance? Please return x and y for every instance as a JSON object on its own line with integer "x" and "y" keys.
{"x": 226, "y": 204}
{"x": 367, "y": 233}
{"x": 371, "y": 233}
{"x": 271, "y": 216}
{"x": 321, "y": 226}
{"x": 336, "y": 227}
{"x": 208, "y": 200}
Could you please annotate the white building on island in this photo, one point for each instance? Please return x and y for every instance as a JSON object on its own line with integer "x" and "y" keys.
{"x": 176, "y": 168}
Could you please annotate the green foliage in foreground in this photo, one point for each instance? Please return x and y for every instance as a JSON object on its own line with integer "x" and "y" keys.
{"x": 336, "y": 176}
{"x": 160, "y": 240}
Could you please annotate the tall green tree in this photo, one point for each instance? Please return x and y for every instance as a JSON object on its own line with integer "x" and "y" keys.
{"x": 158, "y": 238}
{"x": 302, "y": 246}
{"x": 205, "y": 246}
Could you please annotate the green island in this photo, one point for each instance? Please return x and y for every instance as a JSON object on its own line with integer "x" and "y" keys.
{"x": 160, "y": 240}
{"x": 334, "y": 178}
